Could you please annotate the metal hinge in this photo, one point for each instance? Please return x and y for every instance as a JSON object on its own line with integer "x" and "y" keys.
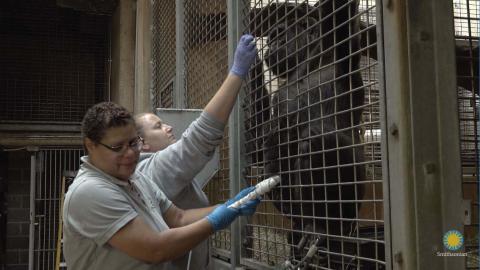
{"x": 467, "y": 212}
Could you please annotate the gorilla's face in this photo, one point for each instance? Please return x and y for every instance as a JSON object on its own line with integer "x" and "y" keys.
{"x": 289, "y": 43}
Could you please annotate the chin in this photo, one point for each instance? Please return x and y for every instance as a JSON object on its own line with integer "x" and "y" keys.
{"x": 124, "y": 177}
{"x": 125, "y": 173}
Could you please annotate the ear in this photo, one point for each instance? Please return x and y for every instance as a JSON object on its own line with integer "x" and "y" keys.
{"x": 89, "y": 144}
{"x": 145, "y": 147}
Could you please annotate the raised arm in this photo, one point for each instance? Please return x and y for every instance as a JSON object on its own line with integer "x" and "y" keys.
{"x": 222, "y": 102}
{"x": 196, "y": 146}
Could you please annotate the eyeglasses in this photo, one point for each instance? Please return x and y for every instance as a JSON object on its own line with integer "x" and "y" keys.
{"x": 135, "y": 144}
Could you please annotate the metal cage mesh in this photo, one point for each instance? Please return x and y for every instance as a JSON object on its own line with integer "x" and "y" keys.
{"x": 312, "y": 116}
{"x": 206, "y": 64}
{"x": 287, "y": 122}
{"x": 466, "y": 22}
{"x": 163, "y": 53}
{"x": 54, "y": 62}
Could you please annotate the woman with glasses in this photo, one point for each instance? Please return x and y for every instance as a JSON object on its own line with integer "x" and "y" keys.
{"x": 116, "y": 217}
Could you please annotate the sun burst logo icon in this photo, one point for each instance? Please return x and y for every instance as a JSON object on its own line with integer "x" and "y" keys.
{"x": 453, "y": 240}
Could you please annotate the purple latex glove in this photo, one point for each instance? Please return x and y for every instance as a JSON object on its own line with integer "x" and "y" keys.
{"x": 244, "y": 56}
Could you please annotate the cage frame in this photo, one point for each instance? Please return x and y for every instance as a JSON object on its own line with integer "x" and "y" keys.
{"x": 410, "y": 43}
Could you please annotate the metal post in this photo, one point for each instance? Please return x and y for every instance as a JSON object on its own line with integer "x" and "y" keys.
{"x": 235, "y": 131}
{"x": 31, "y": 242}
{"x": 179, "y": 99}
{"x": 421, "y": 148}
{"x": 384, "y": 141}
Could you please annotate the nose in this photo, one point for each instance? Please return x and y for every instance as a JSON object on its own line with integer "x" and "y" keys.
{"x": 130, "y": 152}
{"x": 168, "y": 128}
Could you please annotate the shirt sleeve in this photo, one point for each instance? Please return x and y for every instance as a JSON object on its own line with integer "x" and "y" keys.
{"x": 162, "y": 200}
{"x": 98, "y": 210}
{"x": 176, "y": 166}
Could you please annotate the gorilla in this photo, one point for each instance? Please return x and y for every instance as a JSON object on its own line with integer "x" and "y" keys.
{"x": 312, "y": 128}
{"x": 311, "y": 131}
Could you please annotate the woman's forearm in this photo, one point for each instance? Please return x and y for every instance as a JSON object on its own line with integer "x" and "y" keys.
{"x": 222, "y": 102}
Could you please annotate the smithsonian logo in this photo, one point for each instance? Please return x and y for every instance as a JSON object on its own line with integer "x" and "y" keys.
{"x": 452, "y": 241}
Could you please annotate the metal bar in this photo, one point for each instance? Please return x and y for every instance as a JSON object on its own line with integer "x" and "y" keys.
{"x": 234, "y": 127}
{"x": 31, "y": 242}
{"x": 222, "y": 253}
{"x": 49, "y": 211}
{"x": 256, "y": 265}
{"x": 107, "y": 94}
{"x": 180, "y": 91}
{"x": 384, "y": 139}
{"x": 39, "y": 126}
{"x": 57, "y": 185}
{"x": 220, "y": 264}
{"x": 59, "y": 161}
{"x": 37, "y": 139}
{"x": 42, "y": 197}
{"x": 40, "y": 162}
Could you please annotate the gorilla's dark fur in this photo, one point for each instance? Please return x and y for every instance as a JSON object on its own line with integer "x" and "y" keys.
{"x": 316, "y": 114}
{"x": 311, "y": 134}
{"x": 256, "y": 107}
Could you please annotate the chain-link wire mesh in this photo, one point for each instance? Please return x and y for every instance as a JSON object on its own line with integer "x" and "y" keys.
{"x": 312, "y": 116}
{"x": 166, "y": 95}
{"x": 466, "y": 22}
{"x": 54, "y": 62}
{"x": 163, "y": 53}
{"x": 206, "y": 64}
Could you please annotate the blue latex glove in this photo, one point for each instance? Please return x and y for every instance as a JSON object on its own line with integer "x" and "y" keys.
{"x": 240, "y": 195}
{"x": 249, "y": 207}
{"x": 222, "y": 216}
{"x": 245, "y": 54}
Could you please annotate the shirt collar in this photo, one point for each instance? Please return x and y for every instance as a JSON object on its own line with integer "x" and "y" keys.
{"x": 87, "y": 164}
{"x": 145, "y": 155}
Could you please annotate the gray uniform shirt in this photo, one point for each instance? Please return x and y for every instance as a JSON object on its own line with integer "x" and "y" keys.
{"x": 185, "y": 195}
{"x": 97, "y": 205}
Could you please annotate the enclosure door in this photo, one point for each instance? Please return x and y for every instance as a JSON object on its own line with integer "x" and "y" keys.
{"x": 49, "y": 166}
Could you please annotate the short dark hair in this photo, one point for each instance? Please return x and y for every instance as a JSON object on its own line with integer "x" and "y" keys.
{"x": 103, "y": 116}
{"x": 139, "y": 122}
